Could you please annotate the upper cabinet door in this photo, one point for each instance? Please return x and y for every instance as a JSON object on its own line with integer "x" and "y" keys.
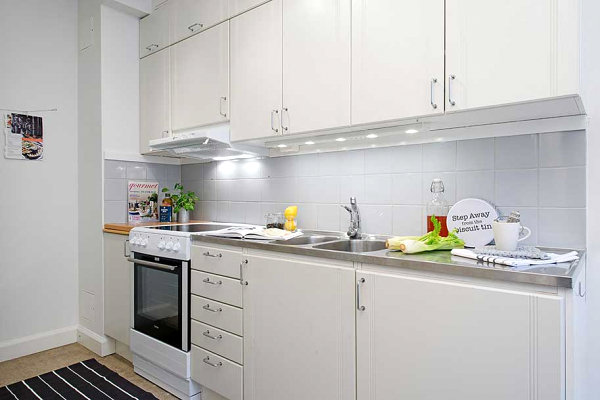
{"x": 154, "y": 31}
{"x": 200, "y": 76}
{"x": 154, "y": 98}
{"x": 239, "y": 6}
{"x": 256, "y": 72}
{"x": 192, "y": 16}
{"x": 397, "y": 59}
{"x": 316, "y": 65}
{"x": 500, "y": 52}
{"x": 420, "y": 338}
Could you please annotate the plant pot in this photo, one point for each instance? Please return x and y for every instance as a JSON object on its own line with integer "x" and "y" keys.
{"x": 183, "y": 216}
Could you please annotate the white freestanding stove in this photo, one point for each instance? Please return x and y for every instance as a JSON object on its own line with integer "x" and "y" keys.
{"x": 160, "y": 321}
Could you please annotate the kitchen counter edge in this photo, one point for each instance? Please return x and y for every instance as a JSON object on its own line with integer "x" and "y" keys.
{"x": 438, "y": 262}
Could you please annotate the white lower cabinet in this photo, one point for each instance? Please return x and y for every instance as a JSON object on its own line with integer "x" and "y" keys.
{"x": 422, "y": 338}
{"x": 299, "y": 325}
{"x": 117, "y": 288}
{"x": 217, "y": 373}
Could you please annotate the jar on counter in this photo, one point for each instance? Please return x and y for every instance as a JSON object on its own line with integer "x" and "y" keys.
{"x": 275, "y": 220}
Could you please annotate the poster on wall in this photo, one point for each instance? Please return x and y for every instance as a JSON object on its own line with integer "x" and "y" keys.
{"x": 142, "y": 201}
{"x": 24, "y": 137}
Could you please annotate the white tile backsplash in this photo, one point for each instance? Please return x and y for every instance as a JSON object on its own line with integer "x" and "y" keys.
{"x": 562, "y": 187}
{"x": 514, "y": 152}
{"x": 562, "y": 149}
{"x": 517, "y": 188}
{"x": 542, "y": 176}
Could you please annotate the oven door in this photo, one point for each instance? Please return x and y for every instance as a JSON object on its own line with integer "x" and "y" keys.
{"x": 161, "y": 299}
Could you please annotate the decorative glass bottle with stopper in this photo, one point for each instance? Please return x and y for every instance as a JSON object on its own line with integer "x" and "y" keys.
{"x": 438, "y": 206}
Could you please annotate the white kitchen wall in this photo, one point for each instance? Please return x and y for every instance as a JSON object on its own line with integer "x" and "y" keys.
{"x": 38, "y": 239}
{"x": 118, "y": 173}
{"x": 542, "y": 176}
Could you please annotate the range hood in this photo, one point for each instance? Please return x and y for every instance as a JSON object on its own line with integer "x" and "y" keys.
{"x": 206, "y": 143}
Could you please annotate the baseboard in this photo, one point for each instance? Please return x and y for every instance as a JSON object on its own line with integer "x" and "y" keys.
{"x": 24, "y": 346}
{"x": 99, "y": 344}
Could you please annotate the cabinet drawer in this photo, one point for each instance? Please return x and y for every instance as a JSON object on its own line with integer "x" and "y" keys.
{"x": 217, "y": 314}
{"x": 218, "y": 341}
{"x": 217, "y": 261}
{"x": 221, "y": 375}
{"x": 225, "y": 290}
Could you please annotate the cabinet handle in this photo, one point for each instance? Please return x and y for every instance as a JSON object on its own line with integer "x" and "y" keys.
{"x": 125, "y": 247}
{"x": 207, "y": 254}
{"x": 207, "y": 308}
{"x": 450, "y": 100}
{"x": 242, "y": 281}
{"x": 191, "y": 27}
{"x": 208, "y": 335}
{"x": 164, "y": 134}
{"x": 432, "y": 94}
{"x": 149, "y": 48}
{"x": 273, "y": 112}
{"x": 286, "y": 111}
{"x": 221, "y": 101}
{"x": 207, "y": 280}
{"x": 580, "y": 290}
{"x": 207, "y": 361}
{"x": 358, "y": 306}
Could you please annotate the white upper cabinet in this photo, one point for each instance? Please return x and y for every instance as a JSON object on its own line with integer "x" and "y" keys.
{"x": 200, "y": 81}
{"x": 500, "y": 52}
{"x": 192, "y": 16}
{"x": 397, "y": 59}
{"x": 239, "y": 6}
{"x": 256, "y": 72}
{"x": 316, "y": 65}
{"x": 419, "y": 338}
{"x": 298, "y": 330}
{"x": 154, "y": 31}
{"x": 154, "y": 98}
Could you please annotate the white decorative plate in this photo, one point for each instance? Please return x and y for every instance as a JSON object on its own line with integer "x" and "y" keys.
{"x": 473, "y": 220}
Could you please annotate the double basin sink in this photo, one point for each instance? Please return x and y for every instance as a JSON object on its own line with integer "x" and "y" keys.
{"x": 335, "y": 243}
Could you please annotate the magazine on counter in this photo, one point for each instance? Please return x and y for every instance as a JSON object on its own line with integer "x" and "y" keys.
{"x": 254, "y": 232}
{"x": 142, "y": 201}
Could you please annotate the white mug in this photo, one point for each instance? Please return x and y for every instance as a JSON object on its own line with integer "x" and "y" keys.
{"x": 507, "y": 235}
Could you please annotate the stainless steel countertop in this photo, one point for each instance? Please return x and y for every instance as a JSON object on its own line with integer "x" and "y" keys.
{"x": 561, "y": 275}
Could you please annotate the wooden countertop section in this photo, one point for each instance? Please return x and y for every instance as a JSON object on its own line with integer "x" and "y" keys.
{"x": 123, "y": 229}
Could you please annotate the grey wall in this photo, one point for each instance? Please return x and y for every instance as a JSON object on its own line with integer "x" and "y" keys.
{"x": 118, "y": 173}
{"x": 542, "y": 176}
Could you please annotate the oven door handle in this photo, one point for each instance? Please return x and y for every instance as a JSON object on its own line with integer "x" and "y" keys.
{"x": 152, "y": 264}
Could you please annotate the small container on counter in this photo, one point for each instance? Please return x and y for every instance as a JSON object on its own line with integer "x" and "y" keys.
{"x": 275, "y": 220}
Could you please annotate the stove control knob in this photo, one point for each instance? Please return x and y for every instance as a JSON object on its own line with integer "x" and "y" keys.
{"x": 170, "y": 245}
{"x": 176, "y": 247}
{"x": 143, "y": 242}
{"x": 161, "y": 244}
{"x": 134, "y": 241}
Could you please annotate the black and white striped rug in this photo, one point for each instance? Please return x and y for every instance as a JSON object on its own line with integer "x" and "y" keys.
{"x": 85, "y": 380}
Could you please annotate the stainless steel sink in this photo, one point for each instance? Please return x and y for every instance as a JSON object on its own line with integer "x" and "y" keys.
{"x": 303, "y": 240}
{"x": 353, "y": 246}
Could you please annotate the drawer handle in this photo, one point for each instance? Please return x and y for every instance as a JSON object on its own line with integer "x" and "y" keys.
{"x": 207, "y": 308}
{"x": 207, "y": 254}
{"x": 242, "y": 281}
{"x": 207, "y": 280}
{"x": 191, "y": 27}
{"x": 208, "y": 335}
{"x": 207, "y": 361}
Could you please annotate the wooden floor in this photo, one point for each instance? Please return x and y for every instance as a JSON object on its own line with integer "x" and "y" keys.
{"x": 36, "y": 364}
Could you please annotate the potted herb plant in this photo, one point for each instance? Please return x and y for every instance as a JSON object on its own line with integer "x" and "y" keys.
{"x": 183, "y": 202}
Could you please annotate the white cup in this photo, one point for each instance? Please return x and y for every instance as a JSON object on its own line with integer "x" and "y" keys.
{"x": 507, "y": 235}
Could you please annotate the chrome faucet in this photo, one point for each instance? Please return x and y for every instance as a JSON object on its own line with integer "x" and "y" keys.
{"x": 354, "y": 228}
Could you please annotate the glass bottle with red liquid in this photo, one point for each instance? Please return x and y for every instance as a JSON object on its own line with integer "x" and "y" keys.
{"x": 438, "y": 206}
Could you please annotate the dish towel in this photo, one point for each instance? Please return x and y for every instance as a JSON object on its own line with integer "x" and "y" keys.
{"x": 516, "y": 262}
